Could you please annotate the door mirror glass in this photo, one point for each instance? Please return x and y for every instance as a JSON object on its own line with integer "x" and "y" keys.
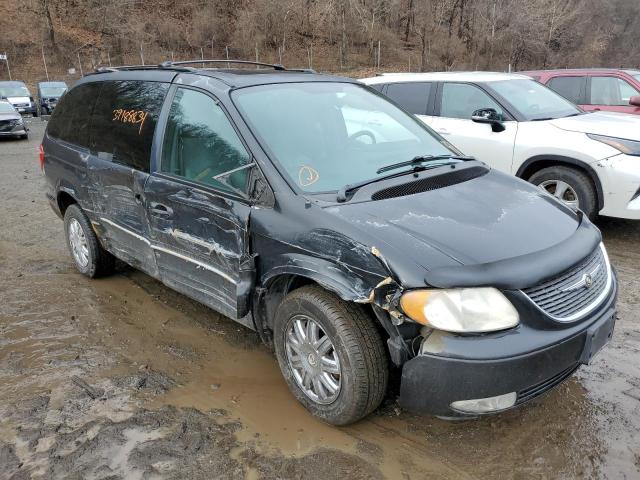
{"x": 489, "y": 116}
{"x": 635, "y": 101}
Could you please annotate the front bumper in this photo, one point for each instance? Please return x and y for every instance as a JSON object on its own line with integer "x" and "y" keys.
{"x": 21, "y": 132}
{"x": 431, "y": 382}
{"x": 620, "y": 179}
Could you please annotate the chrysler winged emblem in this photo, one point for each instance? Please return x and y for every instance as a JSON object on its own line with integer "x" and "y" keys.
{"x": 586, "y": 281}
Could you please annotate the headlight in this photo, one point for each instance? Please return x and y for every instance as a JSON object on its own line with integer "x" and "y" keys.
{"x": 630, "y": 147}
{"x": 467, "y": 310}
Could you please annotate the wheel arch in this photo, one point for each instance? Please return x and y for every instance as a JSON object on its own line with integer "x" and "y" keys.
{"x": 538, "y": 162}
{"x": 65, "y": 198}
{"x": 295, "y": 271}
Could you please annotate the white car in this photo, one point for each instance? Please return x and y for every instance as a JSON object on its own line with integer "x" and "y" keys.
{"x": 590, "y": 161}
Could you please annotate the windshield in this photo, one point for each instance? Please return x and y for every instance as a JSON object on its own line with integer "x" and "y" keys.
{"x": 14, "y": 91}
{"x": 533, "y": 100}
{"x": 327, "y": 135}
{"x": 52, "y": 91}
{"x": 6, "y": 108}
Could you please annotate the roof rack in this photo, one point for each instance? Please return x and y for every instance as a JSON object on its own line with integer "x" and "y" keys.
{"x": 181, "y": 66}
{"x": 170, "y": 64}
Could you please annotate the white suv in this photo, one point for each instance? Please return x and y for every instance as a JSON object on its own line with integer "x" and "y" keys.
{"x": 589, "y": 160}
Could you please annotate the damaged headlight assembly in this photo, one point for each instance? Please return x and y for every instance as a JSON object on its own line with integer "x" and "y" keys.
{"x": 460, "y": 310}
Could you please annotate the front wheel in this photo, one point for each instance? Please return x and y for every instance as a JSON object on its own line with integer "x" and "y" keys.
{"x": 570, "y": 186}
{"x": 331, "y": 355}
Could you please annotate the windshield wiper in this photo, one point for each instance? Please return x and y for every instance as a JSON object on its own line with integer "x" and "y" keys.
{"x": 542, "y": 119}
{"x": 417, "y": 167}
{"x": 421, "y": 159}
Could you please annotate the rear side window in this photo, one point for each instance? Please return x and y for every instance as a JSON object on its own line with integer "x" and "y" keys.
{"x": 413, "y": 97}
{"x": 71, "y": 118}
{"x": 124, "y": 120}
{"x": 572, "y": 88}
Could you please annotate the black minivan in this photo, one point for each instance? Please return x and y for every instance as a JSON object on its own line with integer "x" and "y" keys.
{"x": 350, "y": 236}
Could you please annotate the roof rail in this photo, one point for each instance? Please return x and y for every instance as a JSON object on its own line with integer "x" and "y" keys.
{"x": 170, "y": 64}
{"x": 140, "y": 67}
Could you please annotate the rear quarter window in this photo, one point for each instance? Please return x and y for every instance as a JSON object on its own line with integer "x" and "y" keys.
{"x": 124, "y": 120}
{"x": 71, "y": 118}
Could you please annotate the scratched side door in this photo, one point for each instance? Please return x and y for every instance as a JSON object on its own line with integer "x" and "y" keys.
{"x": 197, "y": 205}
{"x": 122, "y": 131}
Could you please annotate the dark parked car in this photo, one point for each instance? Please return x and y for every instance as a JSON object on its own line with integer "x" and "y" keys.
{"x": 610, "y": 90}
{"x": 19, "y": 96}
{"x": 346, "y": 233}
{"x": 11, "y": 123}
{"x": 48, "y": 95}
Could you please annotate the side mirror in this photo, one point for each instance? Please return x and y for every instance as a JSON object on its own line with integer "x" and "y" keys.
{"x": 635, "y": 101}
{"x": 490, "y": 116}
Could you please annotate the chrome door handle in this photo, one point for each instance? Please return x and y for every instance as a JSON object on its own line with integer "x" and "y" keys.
{"x": 442, "y": 131}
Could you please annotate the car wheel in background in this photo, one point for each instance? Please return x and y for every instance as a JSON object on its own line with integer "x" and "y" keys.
{"x": 331, "y": 355}
{"x": 90, "y": 258}
{"x": 570, "y": 185}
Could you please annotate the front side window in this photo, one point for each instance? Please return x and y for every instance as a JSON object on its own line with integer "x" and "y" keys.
{"x": 124, "y": 120}
{"x": 460, "y": 100}
{"x": 571, "y": 88}
{"x": 533, "y": 100}
{"x": 611, "y": 91}
{"x": 412, "y": 96}
{"x": 201, "y": 145}
{"x": 325, "y": 135}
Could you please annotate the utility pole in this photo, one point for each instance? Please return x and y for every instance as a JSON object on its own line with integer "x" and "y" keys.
{"x": 226, "y": 49}
{"x": 80, "y": 64}
{"x": 46, "y": 72}
{"x": 141, "y": 55}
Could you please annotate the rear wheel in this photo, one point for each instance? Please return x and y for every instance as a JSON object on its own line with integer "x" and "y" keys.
{"x": 331, "y": 355}
{"x": 88, "y": 255}
{"x": 569, "y": 185}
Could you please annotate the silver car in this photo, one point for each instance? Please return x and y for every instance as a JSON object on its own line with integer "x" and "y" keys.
{"x": 11, "y": 122}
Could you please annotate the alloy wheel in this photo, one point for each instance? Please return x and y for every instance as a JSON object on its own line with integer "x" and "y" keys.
{"x": 562, "y": 191}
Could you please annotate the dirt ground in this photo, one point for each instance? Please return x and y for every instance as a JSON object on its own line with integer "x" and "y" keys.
{"x": 123, "y": 378}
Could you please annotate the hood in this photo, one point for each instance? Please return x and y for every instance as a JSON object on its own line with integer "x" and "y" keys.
{"x": 488, "y": 219}
{"x": 610, "y": 124}
{"x": 10, "y": 116}
{"x": 15, "y": 100}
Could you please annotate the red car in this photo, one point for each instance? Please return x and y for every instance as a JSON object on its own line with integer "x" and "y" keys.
{"x": 612, "y": 90}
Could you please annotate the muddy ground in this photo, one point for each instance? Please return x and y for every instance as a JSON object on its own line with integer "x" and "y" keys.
{"x": 123, "y": 378}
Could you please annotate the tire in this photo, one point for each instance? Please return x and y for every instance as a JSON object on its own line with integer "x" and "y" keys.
{"x": 356, "y": 343}
{"x": 99, "y": 262}
{"x": 577, "y": 180}
{"x": 25, "y": 136}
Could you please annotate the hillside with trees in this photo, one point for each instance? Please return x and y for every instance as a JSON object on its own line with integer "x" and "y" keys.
{"x": 350, "y": 36}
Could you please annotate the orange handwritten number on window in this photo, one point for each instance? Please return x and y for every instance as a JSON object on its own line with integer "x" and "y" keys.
{"x": 134, "y": 117}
